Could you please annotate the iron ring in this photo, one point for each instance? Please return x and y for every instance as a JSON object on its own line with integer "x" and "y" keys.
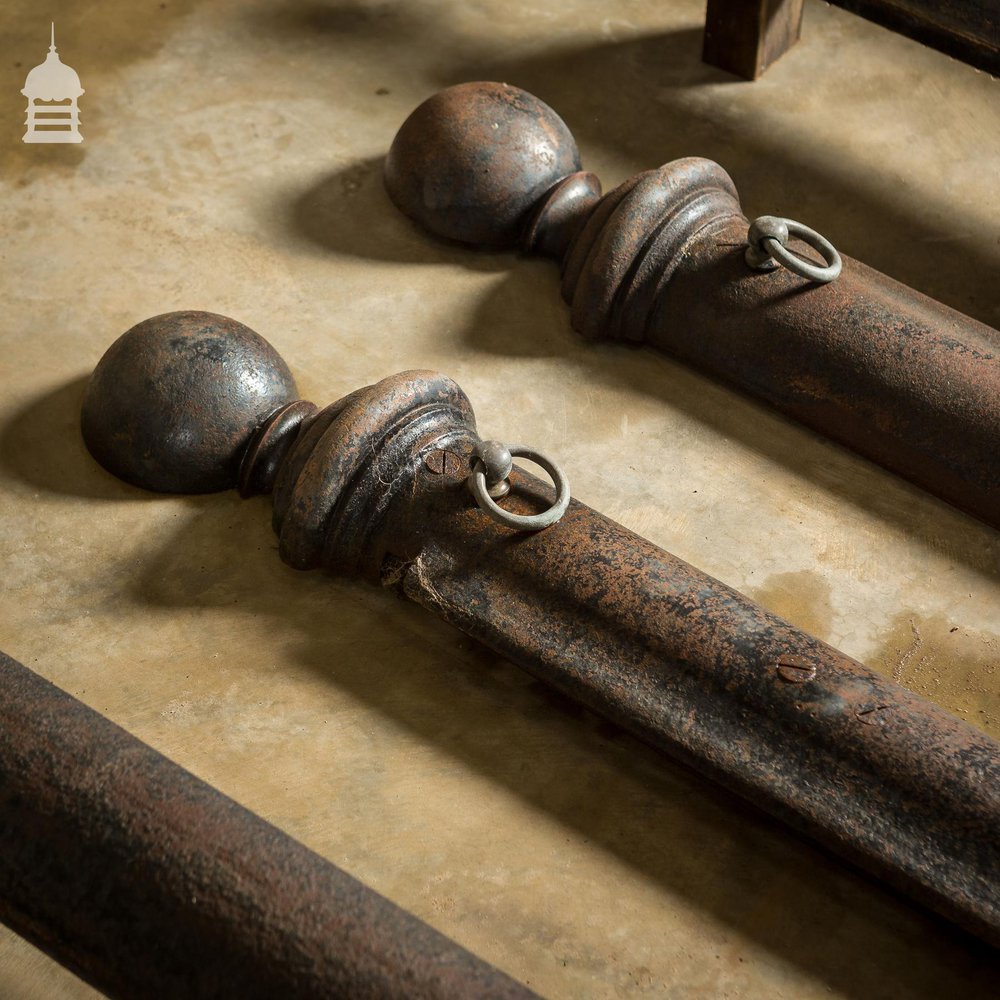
{"x": 521, "y": 522}
{"x": 767, "y": 238}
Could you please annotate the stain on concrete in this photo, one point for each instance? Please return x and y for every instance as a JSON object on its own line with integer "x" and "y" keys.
{"x": 956, "y": 667}
{"x": 801, "y": 597}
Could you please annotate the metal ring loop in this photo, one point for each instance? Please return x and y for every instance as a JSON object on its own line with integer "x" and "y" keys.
{"x": 767, "y": 238}
{"x": 521, "y": 522}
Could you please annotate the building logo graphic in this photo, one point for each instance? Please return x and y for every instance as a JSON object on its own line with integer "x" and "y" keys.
{"x": 52, "y": 89}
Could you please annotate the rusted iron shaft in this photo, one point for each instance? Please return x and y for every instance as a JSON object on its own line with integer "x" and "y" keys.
{"x": 899, "y": 378}
{"x": 146, "y": 882}
{"x": 883, "y": 777}
{"x": 376, "y": 485}
{"x": 896, "y": 376}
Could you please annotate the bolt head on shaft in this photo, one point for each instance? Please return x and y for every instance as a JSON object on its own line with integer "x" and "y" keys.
{"x": 471, "y": 163}
{"x": 173, "y": 403}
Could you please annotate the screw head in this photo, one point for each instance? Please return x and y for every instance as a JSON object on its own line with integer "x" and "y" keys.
{"x": 873, "y": 715}
{"x": 444, "y": 463}
{"x": 795, "y": 669}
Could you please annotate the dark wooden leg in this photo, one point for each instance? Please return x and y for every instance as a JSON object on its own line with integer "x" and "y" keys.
{"x": 745, "y": 36}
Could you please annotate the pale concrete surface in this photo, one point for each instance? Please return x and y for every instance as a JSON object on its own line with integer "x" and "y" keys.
{"x": 231, "y": 162}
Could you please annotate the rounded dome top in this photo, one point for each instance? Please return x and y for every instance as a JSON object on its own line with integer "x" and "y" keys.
{"x": 472, "y": 161}
{"x": 175, "y": 401}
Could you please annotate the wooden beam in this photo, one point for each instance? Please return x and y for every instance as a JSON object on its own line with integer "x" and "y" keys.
{"x": 745, "y": 36}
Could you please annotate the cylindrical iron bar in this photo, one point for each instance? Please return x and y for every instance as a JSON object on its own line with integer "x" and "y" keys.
{"x": 147, "y": 882}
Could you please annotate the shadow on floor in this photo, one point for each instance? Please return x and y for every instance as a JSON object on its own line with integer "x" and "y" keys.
{"x": 348, "y": 212}
{"x": 41, "y": 445}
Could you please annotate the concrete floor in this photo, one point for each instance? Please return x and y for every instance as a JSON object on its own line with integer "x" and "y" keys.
{"x": 232, "y": 162}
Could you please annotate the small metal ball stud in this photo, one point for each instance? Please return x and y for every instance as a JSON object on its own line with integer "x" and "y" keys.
{"x": 174, "y": 402}
{"x": 473, "y": 162}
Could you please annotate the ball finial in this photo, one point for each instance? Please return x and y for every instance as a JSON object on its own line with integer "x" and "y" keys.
{"x": 173, "y": 403}
{"x": 471, "y": 163}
